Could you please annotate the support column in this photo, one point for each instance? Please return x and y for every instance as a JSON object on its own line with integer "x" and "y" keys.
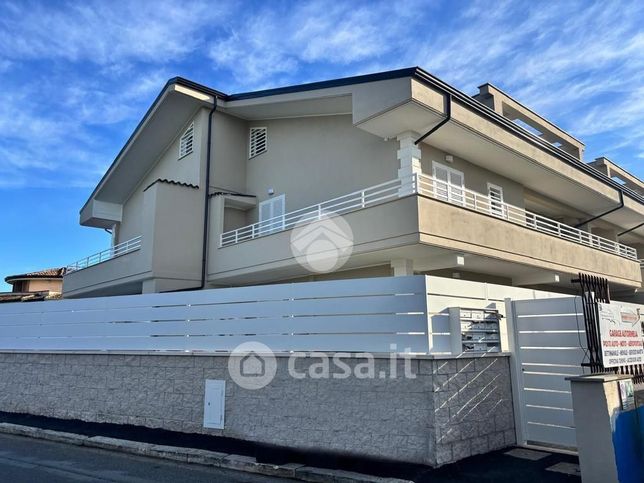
{"x": 409, "y": 156}
{"x": 402, "y": 267}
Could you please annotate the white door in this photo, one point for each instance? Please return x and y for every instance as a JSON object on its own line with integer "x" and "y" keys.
{"x": 497, "y": 206}
{"x": 448, "y": 184}
{"x": 271, "y": 215}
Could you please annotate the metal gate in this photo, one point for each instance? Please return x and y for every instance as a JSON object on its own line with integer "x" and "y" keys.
{"x": 549, "y": 345}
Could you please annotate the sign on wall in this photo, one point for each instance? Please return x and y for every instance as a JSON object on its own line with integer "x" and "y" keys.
{"x": 620, "y": 330}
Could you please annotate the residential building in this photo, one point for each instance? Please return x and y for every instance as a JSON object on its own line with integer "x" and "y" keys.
{"x": 34, "y": 286}
{"x": 209, "y": 187}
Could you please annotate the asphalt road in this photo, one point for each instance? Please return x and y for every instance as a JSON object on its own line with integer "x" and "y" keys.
{"x": 34, "y": 461}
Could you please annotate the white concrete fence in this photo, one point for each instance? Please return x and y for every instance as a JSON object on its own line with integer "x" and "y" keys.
{"x": 352, "y": 315}
{"x": 364, "y": 315}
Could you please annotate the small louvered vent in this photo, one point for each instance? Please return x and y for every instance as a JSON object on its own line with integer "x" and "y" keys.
{"x": 258, "y": 141}
{"x": 185, "y": 145}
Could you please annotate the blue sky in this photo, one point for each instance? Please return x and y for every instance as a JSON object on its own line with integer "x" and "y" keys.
{"x": 78, "y": 76}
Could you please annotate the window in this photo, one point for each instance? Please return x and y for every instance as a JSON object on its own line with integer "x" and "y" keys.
{"x": 257, "y": 142}
{"x": 448, "y": 184}
{"x": 271, "y": 215}
{"x": 185, "y": 144}
{"x": 495, "y": 193}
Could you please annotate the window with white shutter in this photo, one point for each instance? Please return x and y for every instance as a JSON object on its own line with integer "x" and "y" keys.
{"x": 271, "y": 215}
{"x": 448, "y": 184}
{"x": 495, "y": 193}
{"x": 186, "y": 142}
{"x": 257, "y": 142}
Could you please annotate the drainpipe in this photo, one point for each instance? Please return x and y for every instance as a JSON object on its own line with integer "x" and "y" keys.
{"x": 206, "y": 211}
{"x": 618, "y": 207}
{"x": 630, "y": 229}
{"x": 448, "y": 116}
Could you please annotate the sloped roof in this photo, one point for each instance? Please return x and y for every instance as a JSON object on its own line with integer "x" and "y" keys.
{"x": 47, "y": 273}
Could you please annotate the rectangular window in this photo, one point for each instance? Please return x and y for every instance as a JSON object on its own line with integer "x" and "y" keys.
{"x": 186, "y": 142}
{"x": 257, "y": 142}
{"x": 271, "y": 215}
{"x": 448, "y": 184}
{"x": 497, "y": 206}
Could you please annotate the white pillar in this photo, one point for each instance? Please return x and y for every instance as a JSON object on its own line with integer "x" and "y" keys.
{"x": 602, "y": 437}
{"x": 409, "y": 155}
{"x": 402, "y": 267}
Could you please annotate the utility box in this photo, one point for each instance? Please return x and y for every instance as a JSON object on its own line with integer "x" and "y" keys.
{"x": 214, "y": 404}
{"x": 474, "y": 330}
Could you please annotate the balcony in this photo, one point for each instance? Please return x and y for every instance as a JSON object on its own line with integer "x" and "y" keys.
{"x": 118, "y": 270}
{"x": 121, "y": 249}
{"x": 435, "y": 189}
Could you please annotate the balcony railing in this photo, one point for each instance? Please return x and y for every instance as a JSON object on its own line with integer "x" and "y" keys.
{"x": 432, "y": 188}
{"x": 474, "y": 201}
{"x": 128, "y": 246}
{"x": 357, "y": 200}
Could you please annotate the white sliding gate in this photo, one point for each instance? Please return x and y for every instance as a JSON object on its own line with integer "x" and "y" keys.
{"x": 549, "y": 346}
{"x": 344, "y": 315}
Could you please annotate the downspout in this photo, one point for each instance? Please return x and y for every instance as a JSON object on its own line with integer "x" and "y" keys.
{"x": 631, "y": 229}
{"x": 448, "y": 116}
{"x": 206, "y": 211}
{"x": 618, "y": 207}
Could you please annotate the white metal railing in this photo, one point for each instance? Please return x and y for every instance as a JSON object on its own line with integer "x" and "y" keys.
{"x": 343, "y": 204}
{"x": 642, "y": 263}
{"x": 433, "y": 188}
{"x": 474, "y": 201}
{"x": 112, "y": 252}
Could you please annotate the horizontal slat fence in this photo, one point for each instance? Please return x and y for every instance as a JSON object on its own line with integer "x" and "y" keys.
{"x": 349, "y": 315}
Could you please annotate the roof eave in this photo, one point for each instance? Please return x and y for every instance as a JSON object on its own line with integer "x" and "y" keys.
{"x": 175, "y": 81}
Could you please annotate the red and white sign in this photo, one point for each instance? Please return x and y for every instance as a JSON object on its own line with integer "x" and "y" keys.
{"x": 620, "y": 329}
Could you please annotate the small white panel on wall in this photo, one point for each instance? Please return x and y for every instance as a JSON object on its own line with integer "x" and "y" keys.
{"x": 214, "y": 404}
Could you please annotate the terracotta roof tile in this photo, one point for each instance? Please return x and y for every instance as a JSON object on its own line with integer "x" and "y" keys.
{"x": 47, "y": 273}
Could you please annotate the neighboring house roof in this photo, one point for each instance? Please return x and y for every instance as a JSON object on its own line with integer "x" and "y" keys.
{"x": 47, "y": 273}
{"x": 28, "y": 297}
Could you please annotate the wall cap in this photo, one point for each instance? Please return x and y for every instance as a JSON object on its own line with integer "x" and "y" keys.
{"x": 599, "y": 378}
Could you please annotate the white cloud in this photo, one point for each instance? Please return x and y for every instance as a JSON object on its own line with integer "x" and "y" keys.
{"x": 77, "y": 77}
{"x": 105, "y": 32}
{"x": 291, "y": 39}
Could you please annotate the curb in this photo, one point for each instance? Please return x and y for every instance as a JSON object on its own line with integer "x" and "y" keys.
{"x": 246, "y": 464}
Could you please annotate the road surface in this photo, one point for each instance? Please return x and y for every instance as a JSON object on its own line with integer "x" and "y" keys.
{"x": 32, "y": 460}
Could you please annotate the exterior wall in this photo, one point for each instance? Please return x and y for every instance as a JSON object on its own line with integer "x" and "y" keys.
{"x": 374, "y": 271}
{"x": 121, "y": 275}
{"x": 169, "y": 166}
{"x": 316, "y": 159}
{"x": 259, "y": 259}
{"x": 38, "y": 285}
{"x": 229, "y": 146}
{"x": 451, "y": 226}
{"x": 170, "y": 255}
{"x": 173, "y": 234}
{"x": 452, "y": 408}
{"x": 473, "y": 121}
{"x": 476, "y": 178}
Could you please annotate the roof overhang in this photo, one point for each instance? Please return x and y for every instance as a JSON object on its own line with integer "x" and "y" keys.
{"x": 384, "y": 104}
{"x": 174, "y": 106}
